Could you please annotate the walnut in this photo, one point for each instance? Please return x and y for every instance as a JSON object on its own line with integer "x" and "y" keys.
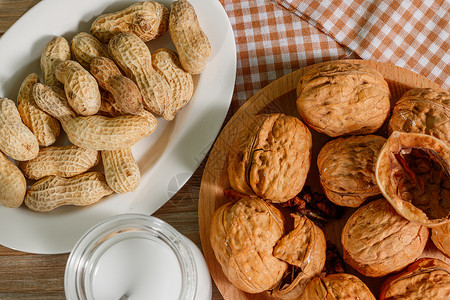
{"x": 242, "y": 236}
{"x": 304, "y": 248}
{"x": 347, "y": 169}
{"x": 426, "y": 279}
{"x": 412, "y": 172}
{"x": 337, "y": 286}
{"x": 339, "y": 98}
{"x": 271, "y": 158}
{"x": 423, "y": 111}
{"x": 440, "y": 236}
{"x": 377, "y": 241}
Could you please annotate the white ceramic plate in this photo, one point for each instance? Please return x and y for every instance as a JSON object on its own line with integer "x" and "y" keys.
{"x": 166, "y": 159}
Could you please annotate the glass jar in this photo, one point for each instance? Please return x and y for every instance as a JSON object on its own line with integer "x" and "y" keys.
{"x": 134, "y": 256}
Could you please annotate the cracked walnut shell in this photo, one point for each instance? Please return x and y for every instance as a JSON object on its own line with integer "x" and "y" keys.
{"x": 423, "y": 111}
{"x": 425, "y": 279}
{"x": 271, "y": 157}
{"x": 412, "y": 172}
{"x": 377, "y": 241}
{"x": 304, "y": 248}
{"x": 242, "y": 236}
{"x": 339, "y": 98}
{"x": 337, "y": 286}
{"x": 347, "y": 169}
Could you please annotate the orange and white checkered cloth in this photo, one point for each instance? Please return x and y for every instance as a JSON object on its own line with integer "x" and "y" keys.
{"x": 276, "y": 37}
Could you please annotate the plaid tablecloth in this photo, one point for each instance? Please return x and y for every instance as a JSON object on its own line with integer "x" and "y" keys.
{"x": 276, "y": 37}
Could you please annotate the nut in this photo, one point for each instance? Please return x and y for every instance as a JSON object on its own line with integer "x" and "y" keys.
{"x": 440, "y": 236}
{"x": 56, "y": 51}
{"x": 305, "y": 249}
{"x": 108, "y": 108}
{"x": 423, "y": 110}
{"x": 242, "y": 236}
{"x": 13, "y": 185}
{"x": 271, "y": 158}
{"x": 44, "y": 127}
{"x": 148, "y": 20}
{"x": 16, "y": 140}
{"x": 339, "y": 98}
{"x": 121, "y": 170}
{"x": 167, "y": 63}
{"x": 54, "y": 191}
{"x": 427, "y": 278}
{"x": 338, "y": 286}
{"x": 134, "y": 58}
{"x": 52, "y": 100}
{"x": 125, "y": 93}
{"x": 412, "y": 172}
{"x": 85, "y": 47}
{"x": 347, "y": 169}
{"x": 377, "y": 241}
{"x": 103, "y": 133}
{"x": 80, "y": 87}
{"x": 63, "y": 161}
{"x": 191, "y": 42}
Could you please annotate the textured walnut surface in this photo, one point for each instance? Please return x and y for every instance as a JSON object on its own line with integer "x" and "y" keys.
{"x": 347, "y": 169}
{"x": 337, "y": 286}
{"x": 376, "y": 240}
{"x": 271, "y": 158}
{"x": 426, "y": 279}
{"x": 441, "y": 238}
{"x": 413, "y": 174}
{"x": 423, "y": 111}
{"x": 242, "y": 236}
{"x": 342, "y": 98}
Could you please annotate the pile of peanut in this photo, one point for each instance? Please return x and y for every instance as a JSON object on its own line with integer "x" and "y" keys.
{"x": 104, "y": 99}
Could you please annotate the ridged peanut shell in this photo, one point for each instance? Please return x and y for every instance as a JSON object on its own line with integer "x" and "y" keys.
{"x": 423, "y": 110}
{"x": 108, "y": 108}
{"x": 43, "y": 126}
{"x": 103, "y": 133}
{"x": 347, "y": 169}
{"x": 167, "y": 63}
{"x": 440, "y": 236}
{"x": 125, "y": 93}
{"x": 148, "y": 20}
{"x": 13, "y": 185}
{"x": 304, "y": 248}
{"x": 393, "y": 242}
{"x": 86, "y": 47}
{"x": 80, "y": 86}
{"x": 425, "y": 279}
{"x": 340, "y": 98}
{"x": 242, "y": 236}
{"x": 121, "y": 170}
{"x": 412, "y": 172}
{"x": 133, "y": 56}
{"x": 337, "y": 286}
{"x": 53, "y": 101}
{"x": 54, "y": 191}
{"x": 191, "y": 42}
{"x": 63, "y": 161}
{"x": 16, "y": 140}
{"x": 271, "y": 157}
{"x": 56, "y": 51}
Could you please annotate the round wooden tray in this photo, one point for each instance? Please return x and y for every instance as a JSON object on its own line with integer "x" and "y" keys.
{"x": 280, "y": 96}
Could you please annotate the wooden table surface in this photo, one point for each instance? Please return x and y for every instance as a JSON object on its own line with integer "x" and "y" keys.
{"x": 31, "y": 276}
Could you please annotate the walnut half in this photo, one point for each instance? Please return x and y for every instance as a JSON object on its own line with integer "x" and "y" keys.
{"x": 412, "y": 172}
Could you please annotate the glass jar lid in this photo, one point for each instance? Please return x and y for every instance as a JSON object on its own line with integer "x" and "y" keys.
{"x": 131, "y": 256}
